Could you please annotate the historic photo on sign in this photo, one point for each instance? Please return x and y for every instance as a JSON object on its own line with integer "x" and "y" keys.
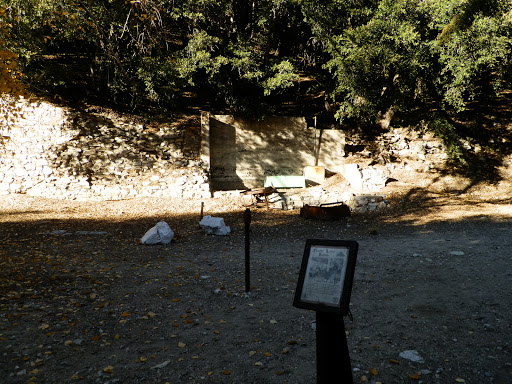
{"x": 325, "y": 275}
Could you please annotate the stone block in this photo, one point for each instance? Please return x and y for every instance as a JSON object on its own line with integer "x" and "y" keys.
{"x": 161, "y": 233}
{"x": 352, "y": 174}
{"x": 214, "y": 226}
{"x": 315, "y": 174}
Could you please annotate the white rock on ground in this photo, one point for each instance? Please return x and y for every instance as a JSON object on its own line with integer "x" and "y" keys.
{"x": 412, "y": 355}
{"x": 214, "y": 226}
{"x": 161, "y": 233}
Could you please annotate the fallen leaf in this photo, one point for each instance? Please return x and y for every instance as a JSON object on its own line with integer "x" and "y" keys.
{"x": 393, "y": 361}
{"x": 460, "y": 380}
{"x": 226, "y": 372}
{"x": 414, "y": 376}
{"x": 373, "y": 371}
{"x": 108, "y": 369}
{"x": 182, "y": 345}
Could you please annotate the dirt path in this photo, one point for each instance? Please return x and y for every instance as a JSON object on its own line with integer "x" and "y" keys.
{"x": 433, "y": 276}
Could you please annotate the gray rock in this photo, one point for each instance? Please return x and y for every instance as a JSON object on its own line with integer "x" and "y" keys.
{"x": 161, "y": 233}
{"x": 411, "y": 355}
{"x": 214, "y": 226}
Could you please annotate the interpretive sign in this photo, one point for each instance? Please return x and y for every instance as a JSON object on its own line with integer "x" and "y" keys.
{"x": 326, "y": 275}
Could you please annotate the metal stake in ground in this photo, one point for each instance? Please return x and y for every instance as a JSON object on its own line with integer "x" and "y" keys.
{"x": 247, "y": 222}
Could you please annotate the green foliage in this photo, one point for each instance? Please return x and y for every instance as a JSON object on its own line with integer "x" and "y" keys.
{"x": 447, "y": 133}
{"x": 368, "y": 56}
{"x": 283, "y": 77}
{"x": 404, "y": 55}
{"x": 482, "y": 49}
{"x": 198, "y": 55}
{"x": 11, "y": 87}
{"x": 379, "y": 64}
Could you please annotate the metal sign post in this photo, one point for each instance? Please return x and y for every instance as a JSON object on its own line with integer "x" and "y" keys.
{"x": 247, "y": 222}
{"x": 325, "y": 285}
{"x": 332, "y": 357}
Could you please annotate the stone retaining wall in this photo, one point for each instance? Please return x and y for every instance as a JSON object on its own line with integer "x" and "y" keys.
{"x": 92, "y": 154}
{"x": 87, "y": 155}
{"x": 357, "y": 203}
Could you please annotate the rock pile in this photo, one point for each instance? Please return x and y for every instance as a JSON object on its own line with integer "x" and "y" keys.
{"x": 356, "y": 203}
{"x": 60, "y": 153}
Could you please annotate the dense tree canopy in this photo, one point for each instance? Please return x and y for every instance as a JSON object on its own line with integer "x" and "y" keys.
{"x": 367, "y": 58}
{"x": 10, "y": 85}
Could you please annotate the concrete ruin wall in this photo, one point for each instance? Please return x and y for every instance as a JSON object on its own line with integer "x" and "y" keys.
{"x": 242, "y": 153}
{"x": 62, "y": 153}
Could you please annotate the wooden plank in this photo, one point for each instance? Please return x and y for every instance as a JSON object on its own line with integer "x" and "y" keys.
{"x": 285, "y": 181}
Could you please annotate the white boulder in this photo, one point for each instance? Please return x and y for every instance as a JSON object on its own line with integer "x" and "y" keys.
{"x": 161, "y": 233}
{"x": 214, "y": 226}
{"x": 412, "y": 355}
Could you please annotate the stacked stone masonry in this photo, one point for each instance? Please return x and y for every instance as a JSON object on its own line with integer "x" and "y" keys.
{"x": 86, "y": 155}
{"x": 93, "y": 154}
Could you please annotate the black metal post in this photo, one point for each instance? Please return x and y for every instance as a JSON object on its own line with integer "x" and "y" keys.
{"x": 247, "y": 222}
{"x": 332, "y": 357}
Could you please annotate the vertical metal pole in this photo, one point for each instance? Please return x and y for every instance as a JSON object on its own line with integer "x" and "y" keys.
{"x": 247, "y": 222}
{"x": 332, "y": 357}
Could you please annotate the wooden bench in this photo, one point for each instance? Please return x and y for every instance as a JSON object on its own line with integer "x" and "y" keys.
{"x": 285, "y": 181}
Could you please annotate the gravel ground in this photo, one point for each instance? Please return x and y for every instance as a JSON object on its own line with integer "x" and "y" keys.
{"x": 433, "y": 276}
